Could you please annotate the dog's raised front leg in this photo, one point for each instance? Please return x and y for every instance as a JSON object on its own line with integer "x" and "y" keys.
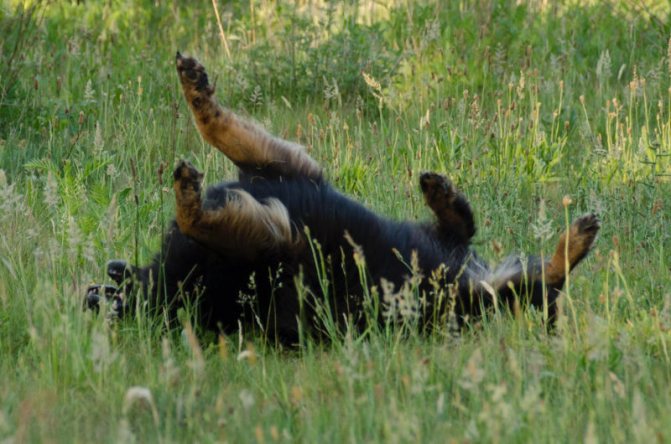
{"x": 251, "y": 148}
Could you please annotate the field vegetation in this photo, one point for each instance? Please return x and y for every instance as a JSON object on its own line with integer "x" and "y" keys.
{"x": 539, "y": 111}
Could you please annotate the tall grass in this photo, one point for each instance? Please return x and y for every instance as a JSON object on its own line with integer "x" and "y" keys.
{"x": 520, "y": 104}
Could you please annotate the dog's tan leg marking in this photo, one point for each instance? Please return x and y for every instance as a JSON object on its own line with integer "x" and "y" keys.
{"x": 243, "y": 225}
{"x": 247, "y": 145}
{"x": 573, "y": 246}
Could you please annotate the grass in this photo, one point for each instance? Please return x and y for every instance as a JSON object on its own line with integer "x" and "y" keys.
{"x": 519, "y": 104}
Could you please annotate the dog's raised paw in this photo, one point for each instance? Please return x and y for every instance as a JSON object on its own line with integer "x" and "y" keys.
{"x": 588, "y": 224}
{"x": 187, "y": 176}
{"x": 437, "y": 188}
{"x": 192, "y": 75}
{"x": 581, "y": 237}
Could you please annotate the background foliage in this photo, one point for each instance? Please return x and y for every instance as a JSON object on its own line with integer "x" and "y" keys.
{"x": 520, "y": 103}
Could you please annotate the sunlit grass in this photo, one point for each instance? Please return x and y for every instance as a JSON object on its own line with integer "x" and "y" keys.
{"x": 520, "y": 105}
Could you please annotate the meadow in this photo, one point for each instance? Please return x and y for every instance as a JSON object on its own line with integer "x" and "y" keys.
{"x": 539, "y": 111}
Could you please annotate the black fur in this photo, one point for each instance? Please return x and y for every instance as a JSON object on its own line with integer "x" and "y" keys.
{"x": 186, "y": 271}
{"x": 348, "y": 265}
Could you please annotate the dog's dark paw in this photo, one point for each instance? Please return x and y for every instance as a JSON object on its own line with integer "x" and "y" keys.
{"x": 583, "y": 233}
{"x": 96, "y": 294}
{"x": 192, "y": 75}
{"x": 589, "y": 224}
{"x": 187, "y": 175}
{"x": 437, "y": 188}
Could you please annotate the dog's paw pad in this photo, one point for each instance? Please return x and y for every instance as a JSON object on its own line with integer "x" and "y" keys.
{"x": 192, "y": 74}
{"x": 187, "y": 177}
{"x": 583, "y": 234}
{"x": 588, "y": 224}
{"x": 185, "y": 171}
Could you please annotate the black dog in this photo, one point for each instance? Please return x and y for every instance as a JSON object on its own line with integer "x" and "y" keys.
{"x": 282, "y": 249}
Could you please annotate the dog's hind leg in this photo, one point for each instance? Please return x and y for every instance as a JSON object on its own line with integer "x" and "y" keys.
{"x": 242, "y": 226}
{"x": 251, "y": 148}
{"x": 455, "y": 218}
{"x": 539, "y": 283}
{"x": 573, "y": 246}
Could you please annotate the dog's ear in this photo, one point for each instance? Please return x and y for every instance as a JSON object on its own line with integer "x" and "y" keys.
{"x": 119, "y": 271}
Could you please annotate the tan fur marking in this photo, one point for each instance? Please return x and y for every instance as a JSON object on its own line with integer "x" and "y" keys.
{"x": 573, "y": 245}
{"x": 246, "y": 144}
{"x": 243, "y": 225}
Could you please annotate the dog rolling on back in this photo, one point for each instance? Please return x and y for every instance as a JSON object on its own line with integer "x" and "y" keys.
{"x": 283, "y": 233}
